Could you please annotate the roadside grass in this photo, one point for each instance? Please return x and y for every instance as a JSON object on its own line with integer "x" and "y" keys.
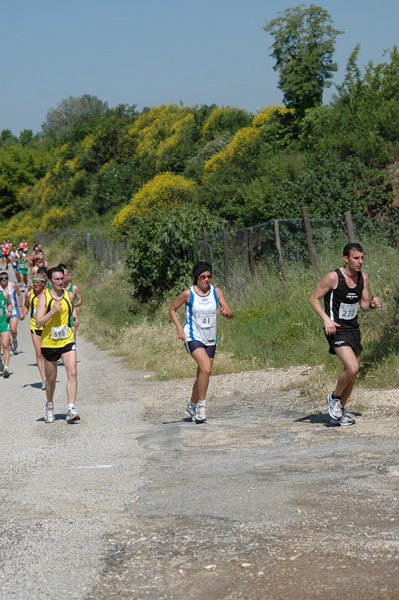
{"x": 273, "y": 324}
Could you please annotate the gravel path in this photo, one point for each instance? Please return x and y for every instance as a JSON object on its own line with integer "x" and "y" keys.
{"x": 135, "y": 501}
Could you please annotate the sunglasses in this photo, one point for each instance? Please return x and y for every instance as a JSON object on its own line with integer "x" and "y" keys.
{"x": 202, "y": 277}
{"x": 4, "y": 278}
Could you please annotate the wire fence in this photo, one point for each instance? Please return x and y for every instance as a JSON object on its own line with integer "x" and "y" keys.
{"x": 282, "y": 242}
{"x": 279, "y": 242}
{"x": 105, "y": 252}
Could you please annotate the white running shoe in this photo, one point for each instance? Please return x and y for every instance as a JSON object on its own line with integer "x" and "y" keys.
{"x": 200, "y": 415}
{"x": 72, "y": 415}
{"x": 345, "y": 420}
{"x": 14, "y": 345}
{"x": 43, "y": 384}
{"x": 49, "y": 414}
{"x": 190, "y": 410}
{"x": 334, "y": 407}
{"x": 6, "y": 373}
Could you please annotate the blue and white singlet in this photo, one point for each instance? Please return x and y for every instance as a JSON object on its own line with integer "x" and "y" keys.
{"x": 14, "y": 300}
{"x": 200, "y": 324}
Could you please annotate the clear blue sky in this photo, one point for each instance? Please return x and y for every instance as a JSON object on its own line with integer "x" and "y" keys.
{"x": 154, "y": 51}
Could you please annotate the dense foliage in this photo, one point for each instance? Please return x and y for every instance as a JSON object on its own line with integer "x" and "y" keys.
{"x": 303, "y": 46}
{"x": 163, "y": 174}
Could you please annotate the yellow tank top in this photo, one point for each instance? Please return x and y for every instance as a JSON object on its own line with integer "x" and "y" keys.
{"x": 33, "y": 300}
{"x": 57, "y": 331}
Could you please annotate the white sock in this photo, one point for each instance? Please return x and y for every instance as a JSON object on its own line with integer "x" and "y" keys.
{"x": 201, "y": 402}
{"x": 71, "y": 406}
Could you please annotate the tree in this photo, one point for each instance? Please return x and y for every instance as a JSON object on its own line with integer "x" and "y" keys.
{"x": 303, "y": 47}
{"x": 7, "y": 138}
{"x": 159, "y": 252}
{"x": 72, "y": 112}
{"x": 20, "y": 167}
{"x": 26, "y": 138}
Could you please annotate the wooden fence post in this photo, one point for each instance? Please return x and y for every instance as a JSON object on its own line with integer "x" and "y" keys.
{"x": 278, "y": 247}
{"x": 206, "y": 245}
{"x": 226, "y": 249}
{"x": 312, "y": 254}
{"x": 251, "y": 257}
{"x": 349, "y": 227}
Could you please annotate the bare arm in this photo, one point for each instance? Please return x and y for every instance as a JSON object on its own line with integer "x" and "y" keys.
{"x": 41, "y": 316}
{"x": 74, "y": 311}
{"x": 326, "y": 284}
{"x": 9, "y": 304}
{"x": 19, "y": 294}
{"x": 224, "y": 308}
{"x": 25, "y": 308}
{"x": 365, "y": 303}
{"x": 181, "y": 299}
{"x": 76, "y": 293}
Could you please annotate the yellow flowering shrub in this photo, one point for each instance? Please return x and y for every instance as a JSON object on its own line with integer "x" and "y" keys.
{"x": 266, "y": 113}
{"x": 226, "y": 118}
{"x": 238, "y": 147}
{"x": 181, "y": 135}
{"x": 54, "y": 187}
{"x": 21, "y": 225}
{"x": 245, "y": 141}
{"x": 56, "y": 218}
{"x": 164, "y": 190}
{"x": 161, "y": 130}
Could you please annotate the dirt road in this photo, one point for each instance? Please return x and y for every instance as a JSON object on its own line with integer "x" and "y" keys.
{"x": 135, "y": 501}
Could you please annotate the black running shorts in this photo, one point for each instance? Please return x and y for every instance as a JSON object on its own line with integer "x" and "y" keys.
{"x": 54, "y": 354}
{"x": 349, "y": 337}
{"x": 191, "y": 346}
{"x": 36, "y": 332}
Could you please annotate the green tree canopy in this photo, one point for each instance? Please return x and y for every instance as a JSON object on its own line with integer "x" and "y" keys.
{"x": 304, "y": 42}
{"x": 72, "y": 112}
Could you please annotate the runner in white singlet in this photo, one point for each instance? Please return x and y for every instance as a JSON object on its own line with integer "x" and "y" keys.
{"x": 199, "y": 332}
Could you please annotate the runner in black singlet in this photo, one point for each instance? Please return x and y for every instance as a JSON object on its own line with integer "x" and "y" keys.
{"x": 344, "y": 290}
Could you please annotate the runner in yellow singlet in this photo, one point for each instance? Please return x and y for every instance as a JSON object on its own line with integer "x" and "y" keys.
{"x": 54, "y": 311}
{"x": 30, "y": 306}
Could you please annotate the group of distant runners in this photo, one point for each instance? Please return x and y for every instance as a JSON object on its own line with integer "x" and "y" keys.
{"x": 51, "y": 301}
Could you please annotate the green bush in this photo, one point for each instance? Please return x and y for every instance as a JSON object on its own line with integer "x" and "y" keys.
{"x": 160, "y": 246}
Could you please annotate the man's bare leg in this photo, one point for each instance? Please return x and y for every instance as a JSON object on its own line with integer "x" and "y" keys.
{"x": 346, "y": 380}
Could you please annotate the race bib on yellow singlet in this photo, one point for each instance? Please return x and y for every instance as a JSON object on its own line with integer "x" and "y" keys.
{"x": 348, "y": 311}
{"x": 59, "y": 333}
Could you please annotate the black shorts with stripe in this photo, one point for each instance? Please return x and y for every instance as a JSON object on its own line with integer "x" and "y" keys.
{"x": 348, "y": 337}
{"x": 195, "y": 344}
